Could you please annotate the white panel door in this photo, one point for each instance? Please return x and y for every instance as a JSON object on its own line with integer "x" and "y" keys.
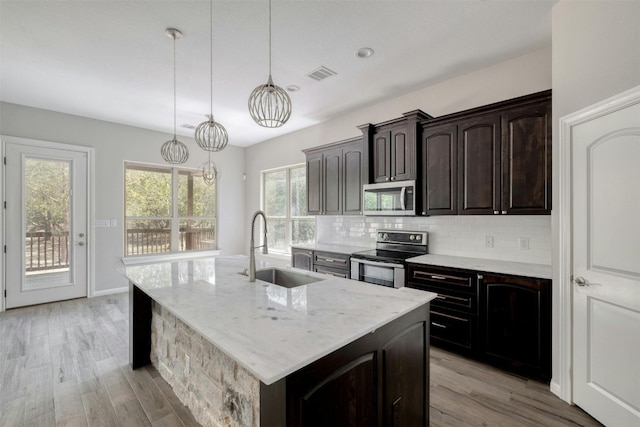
{"x": 45, "y": 224}
{"x": 606, "y": 264}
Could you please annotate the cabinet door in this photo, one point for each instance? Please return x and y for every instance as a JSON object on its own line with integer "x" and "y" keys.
{"x": 314, "y": 183}
{"x": 381, "y": 152}
{"x": 334, "y": 401}
{"x": 526, "y": 160}
{"x": 302, "y": 258}
{"x": 405, "y": 361}
{"x": 402, "y": 156}
{"x": 516, "y": 331}
{"x": 479, "y": 166}
{"x": 332, "y": 182}
{"x": 352, "y": 155}
{"x": 439, "y": 170}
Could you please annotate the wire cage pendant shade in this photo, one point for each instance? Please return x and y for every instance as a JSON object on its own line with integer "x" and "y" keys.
{"x": 174, "y": 151}
{"x": 211, "y": 135}
{"x": 209, "y": 172}
{"x": 269, "y": 105}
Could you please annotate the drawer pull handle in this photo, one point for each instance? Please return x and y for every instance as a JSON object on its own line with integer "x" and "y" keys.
{"x": 438, "y": 277}
{"x": 438, "y": 325}
{"x": 441, "y": 297}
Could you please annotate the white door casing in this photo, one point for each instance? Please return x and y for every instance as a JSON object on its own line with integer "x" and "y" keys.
{"x": 49, "y": 284}
{"x": 604, "y": 286}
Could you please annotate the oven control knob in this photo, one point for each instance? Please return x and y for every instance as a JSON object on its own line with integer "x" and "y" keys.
{"x": 412, "y": 237}
{"x": 385, "y": 236}
{"x": 418, "y": 237}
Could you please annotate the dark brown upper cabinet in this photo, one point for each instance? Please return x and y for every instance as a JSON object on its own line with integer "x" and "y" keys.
{"x": 334, "y": 178}
{"x": 439, "y": 172}
{"x": 391, "y": 148}
{"x": 479, "y": 165}
{"x": 492, "y": 160}
{"x": 526, "y": 160}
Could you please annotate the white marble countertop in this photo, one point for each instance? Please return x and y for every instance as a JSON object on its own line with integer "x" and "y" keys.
{"x": 540, "y": 271}
{"x": 270, "y": 330}
{"x": 332, "y": 247}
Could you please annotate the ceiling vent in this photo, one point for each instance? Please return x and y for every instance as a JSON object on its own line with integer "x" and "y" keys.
{"x": 321, "y": 73}
{"x": 187, "y": 126}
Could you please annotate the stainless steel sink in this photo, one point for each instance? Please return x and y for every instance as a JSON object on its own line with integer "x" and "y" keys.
{"x": 285, "y": 278}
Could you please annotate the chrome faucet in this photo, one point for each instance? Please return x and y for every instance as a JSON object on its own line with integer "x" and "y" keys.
{"x": 252, "y": 247}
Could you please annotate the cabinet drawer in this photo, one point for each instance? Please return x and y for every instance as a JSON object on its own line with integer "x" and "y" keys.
{"x": 452, "y": 329}
{"x": 337, "y": 272}
{"x": 448, "y": 298}
{"x": 331, "y": 259}
{"x": 444, "y": 278}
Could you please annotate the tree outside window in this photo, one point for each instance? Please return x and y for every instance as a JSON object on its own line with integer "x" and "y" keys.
{"x": 284, "y": 198}
{"x": 168, "y": 210}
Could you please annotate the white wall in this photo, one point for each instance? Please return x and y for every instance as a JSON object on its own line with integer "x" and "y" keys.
{"x": 113, "y": 144}
{"x": 596, "y": 54}
{"x": 522, "y": 75}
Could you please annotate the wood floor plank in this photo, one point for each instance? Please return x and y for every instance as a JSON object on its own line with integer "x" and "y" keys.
{"x": 12, "y": 412}
{"x": 98, "y": 408}
{"x": 68, "y": 405}
{"x": 39, "y": 398}
{"x": 185, "y": 415}
{"x": 170, "y": 420}
{"x": 131, "y": 414}
{"x": 151, "y": 398}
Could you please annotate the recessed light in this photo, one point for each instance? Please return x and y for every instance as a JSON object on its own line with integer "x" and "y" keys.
{"x": 293, "y": 88}
{"x": 364, "y": 52}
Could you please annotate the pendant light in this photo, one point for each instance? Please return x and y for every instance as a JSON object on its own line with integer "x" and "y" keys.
{"x": 209, "y": 171}
{"x": 269, "y": 105}
{"x": 210, "y": 135}
{"x": 174, "y": 151}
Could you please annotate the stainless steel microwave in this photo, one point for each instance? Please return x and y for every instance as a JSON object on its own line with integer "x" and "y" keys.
{"x": 389, "y": 198}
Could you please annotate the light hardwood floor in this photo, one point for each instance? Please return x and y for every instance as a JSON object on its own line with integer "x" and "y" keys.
{"x": 66, "y": 364}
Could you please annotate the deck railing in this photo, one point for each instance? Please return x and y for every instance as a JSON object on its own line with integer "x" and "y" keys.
{"x": 50, "y": 250}
{"x": 141, "y": 241}
{"x": 46, "y": 250}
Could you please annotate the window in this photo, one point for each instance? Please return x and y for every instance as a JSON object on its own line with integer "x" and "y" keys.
{"x": 284, "y": 198}
{"x": 167, "y": 210}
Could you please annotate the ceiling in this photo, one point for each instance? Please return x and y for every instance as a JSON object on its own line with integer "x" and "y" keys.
{"x": 111, "y": 60}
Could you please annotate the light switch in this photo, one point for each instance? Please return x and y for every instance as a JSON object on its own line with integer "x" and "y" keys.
{"x": 114, "y": 222}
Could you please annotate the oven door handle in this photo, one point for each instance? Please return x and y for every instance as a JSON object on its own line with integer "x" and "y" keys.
{"x": 376, "y": 263}
{"x": 403, "y": 195}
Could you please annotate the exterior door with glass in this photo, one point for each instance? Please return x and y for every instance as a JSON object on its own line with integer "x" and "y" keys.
{"x": 45, "y": 224}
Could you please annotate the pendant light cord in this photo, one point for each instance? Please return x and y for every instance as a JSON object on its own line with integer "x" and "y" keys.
{"x": 269, "y": 37}
{"x": 211, "y": 37}
{"x": 174, "y": 86}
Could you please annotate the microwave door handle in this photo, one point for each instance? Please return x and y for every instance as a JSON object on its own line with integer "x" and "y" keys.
{"x": 403, "y": 195}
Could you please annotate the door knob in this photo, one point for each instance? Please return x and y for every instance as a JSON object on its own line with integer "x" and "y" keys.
{"x": 80, "y": 243}
{"x": 581, "y": 281}
{"x": 81, "y": 235}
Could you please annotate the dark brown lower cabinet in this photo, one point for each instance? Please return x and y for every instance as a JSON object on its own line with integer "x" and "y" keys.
{"x": 516, "y": 330}
{"x": 381, "y": 379}
{"x": 500, "y": 319}
{"x": 302, "y": 258}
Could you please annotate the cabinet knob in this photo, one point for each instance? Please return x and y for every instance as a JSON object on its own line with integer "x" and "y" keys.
{"x": 496, "y": 212}
{"x": 504, "y": 212}
{"x": 387, "y": 178}
{"x": 393, "y": 178}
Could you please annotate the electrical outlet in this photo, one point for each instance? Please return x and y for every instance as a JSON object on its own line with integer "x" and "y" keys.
{"x": 102, "y": 223}
{"x": 488, "y": 241}
{"x": 523, "y": 243}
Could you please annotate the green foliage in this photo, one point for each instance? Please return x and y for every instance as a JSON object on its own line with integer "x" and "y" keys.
{"x": 47, "y": 195}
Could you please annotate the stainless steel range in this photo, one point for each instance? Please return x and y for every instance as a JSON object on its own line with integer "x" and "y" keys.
{"x": 385, "y": 265}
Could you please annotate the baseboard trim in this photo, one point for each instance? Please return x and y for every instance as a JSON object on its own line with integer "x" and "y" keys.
{"x": 554, "y": 387}
{"x": 111, "y": 291}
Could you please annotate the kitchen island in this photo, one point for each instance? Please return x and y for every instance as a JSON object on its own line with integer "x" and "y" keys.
{"x": 333, "y": 352}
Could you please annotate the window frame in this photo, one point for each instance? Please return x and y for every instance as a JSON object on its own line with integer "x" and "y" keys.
{"x": 287, "y": 218}
{"x": 174, "y": 217}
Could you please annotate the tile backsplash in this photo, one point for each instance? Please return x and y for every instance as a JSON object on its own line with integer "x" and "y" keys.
{"x": 515, "y": 238}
